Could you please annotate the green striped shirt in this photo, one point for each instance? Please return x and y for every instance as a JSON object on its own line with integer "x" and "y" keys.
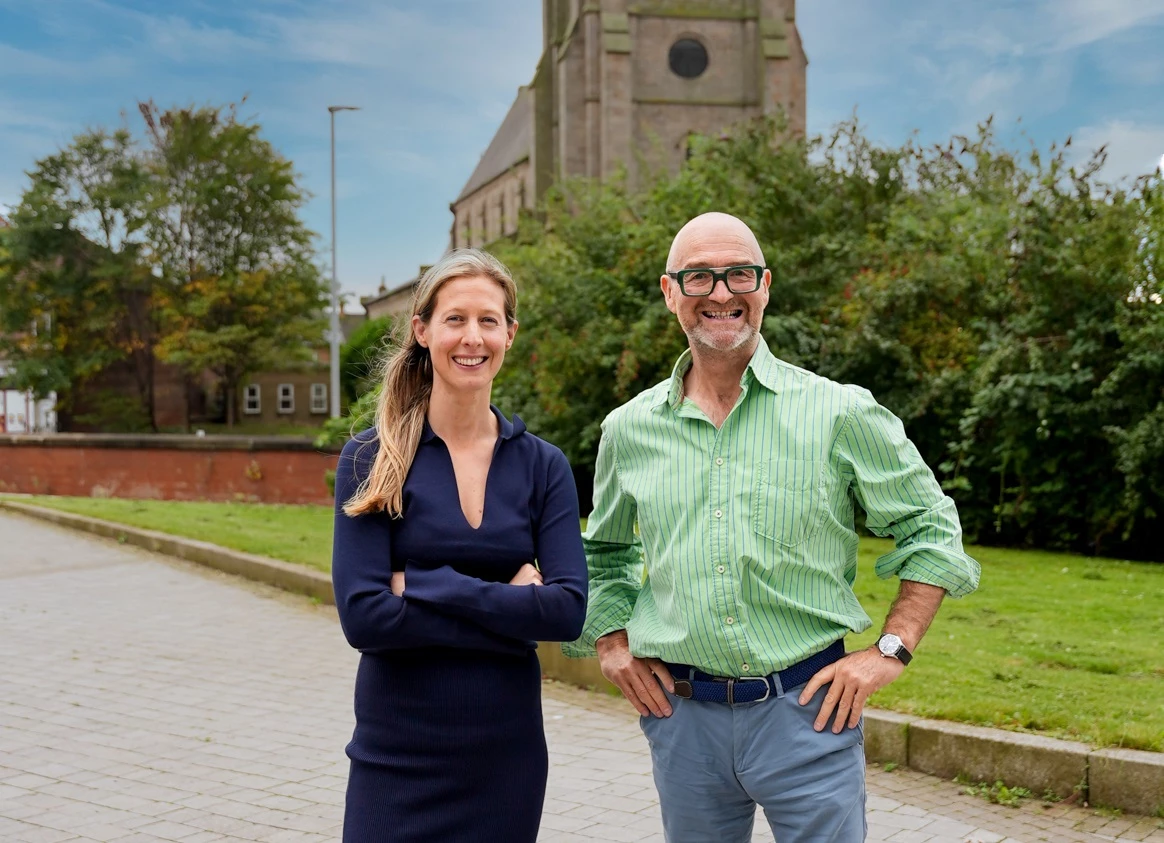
{"x": 746, "y": 531}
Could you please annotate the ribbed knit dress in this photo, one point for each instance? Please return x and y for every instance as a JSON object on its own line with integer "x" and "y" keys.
{"x": 449, "y": 744}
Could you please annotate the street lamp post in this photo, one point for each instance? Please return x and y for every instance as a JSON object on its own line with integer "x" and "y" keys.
{"x": 335, "y": 291}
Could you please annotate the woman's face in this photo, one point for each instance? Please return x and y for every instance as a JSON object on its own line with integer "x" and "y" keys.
{"x": 467, "y": 336}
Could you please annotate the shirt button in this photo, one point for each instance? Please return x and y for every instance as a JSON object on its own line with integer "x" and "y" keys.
{"x": 744, "y": 667}
{"x": 720, "y": 568}
{"x": 719, "y": 460}
{"x": 729, "y": 621}
{"x": 719, "y": 513}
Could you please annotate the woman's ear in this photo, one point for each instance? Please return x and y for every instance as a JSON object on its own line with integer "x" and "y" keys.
{"x": 419, "y": 331}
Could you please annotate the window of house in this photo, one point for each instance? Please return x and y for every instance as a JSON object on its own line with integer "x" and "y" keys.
{"x": 286, "y": 398}
{"x": 252, "y": 400}
{"x": 319, "y": 398}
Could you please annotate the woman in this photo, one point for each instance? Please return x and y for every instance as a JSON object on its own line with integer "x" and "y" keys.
{"x": 457, "y": 546}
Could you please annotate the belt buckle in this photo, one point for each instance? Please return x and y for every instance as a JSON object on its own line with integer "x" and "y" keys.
{"x": 731, "y": 683}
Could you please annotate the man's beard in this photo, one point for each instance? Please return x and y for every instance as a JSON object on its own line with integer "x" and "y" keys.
{"x": 698, "y": 336}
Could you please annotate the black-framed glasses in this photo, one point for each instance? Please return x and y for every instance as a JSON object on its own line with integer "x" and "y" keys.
{"x": 701, "y": 281}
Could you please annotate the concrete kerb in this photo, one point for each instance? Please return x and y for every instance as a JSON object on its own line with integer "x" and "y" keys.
{"x": 1042, "y": 765}
{"x": 1126, "y": 779}
{"x": 1129, "y": 779}
{"x": 887, "y": 737}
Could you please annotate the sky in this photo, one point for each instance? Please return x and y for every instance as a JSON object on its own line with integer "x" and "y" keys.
{"x": 434, "y": 79}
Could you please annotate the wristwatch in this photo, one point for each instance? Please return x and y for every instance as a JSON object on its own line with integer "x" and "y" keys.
{"x": 892, "y": 648}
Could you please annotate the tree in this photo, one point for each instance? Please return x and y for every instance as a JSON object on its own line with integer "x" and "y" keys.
{"x": 1008, "y": 307}
{"x": 1135, "y": 387}
{"x": 240, "y": 290}
{"x": 76, "y": 294}
{"x": 361, "y": 355}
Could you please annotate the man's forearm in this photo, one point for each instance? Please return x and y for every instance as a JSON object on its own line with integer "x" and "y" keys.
{"x": 912, "y": 611}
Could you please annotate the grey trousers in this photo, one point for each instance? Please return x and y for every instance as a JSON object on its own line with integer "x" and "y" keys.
{"x": 714, "y": 762}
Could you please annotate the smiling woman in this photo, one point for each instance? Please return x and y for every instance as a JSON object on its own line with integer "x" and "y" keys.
{"x": 467, "y": 336}
{"x": 457, "y": 546}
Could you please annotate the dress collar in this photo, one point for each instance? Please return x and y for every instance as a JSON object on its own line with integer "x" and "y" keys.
{"x": 506, "y": 429}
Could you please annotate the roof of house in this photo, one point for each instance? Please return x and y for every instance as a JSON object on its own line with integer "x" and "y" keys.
{"x": 511, "y": 145}
{"x": 379, "y": 296}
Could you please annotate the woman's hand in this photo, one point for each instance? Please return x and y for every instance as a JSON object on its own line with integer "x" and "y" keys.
{"x": 527, "y": 575}
{"x": 398, "y": 583}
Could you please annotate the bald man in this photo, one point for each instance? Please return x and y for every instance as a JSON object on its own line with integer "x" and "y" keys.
{"x": 740, "y": 472}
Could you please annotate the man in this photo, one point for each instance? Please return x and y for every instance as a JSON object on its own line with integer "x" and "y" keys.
{"x": 740, "y": 472}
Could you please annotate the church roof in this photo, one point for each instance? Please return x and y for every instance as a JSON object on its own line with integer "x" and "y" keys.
{"x": 511, "y": 145}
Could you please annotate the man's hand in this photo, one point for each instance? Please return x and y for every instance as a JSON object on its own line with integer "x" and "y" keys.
{"x": 854, "y": 679}
{"x": 638, "y": 679}
{"x": 527, "y": 574}
{"x": 398, "y": 583}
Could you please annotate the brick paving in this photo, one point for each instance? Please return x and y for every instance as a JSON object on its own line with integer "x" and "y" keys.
{"x": 144, "y": 699}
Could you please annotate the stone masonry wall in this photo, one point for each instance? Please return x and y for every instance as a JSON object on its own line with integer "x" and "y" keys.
{"x": 492, "y": 211}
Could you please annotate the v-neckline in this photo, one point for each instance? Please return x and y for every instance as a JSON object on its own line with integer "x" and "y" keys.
{"x": 484, "y": 492}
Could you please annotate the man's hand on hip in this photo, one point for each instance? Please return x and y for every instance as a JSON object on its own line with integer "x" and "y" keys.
{"x": 854, "y": 679}
{"x": 638, "y": 679}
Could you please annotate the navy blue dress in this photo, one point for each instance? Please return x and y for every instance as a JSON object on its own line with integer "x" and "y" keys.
{"x": 449, "y": 743}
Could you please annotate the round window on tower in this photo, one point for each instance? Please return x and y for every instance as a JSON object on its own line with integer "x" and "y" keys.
{"x": 688, "y": 58}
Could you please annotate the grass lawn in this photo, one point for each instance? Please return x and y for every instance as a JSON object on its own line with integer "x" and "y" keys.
{"x": 1066, "y": 646}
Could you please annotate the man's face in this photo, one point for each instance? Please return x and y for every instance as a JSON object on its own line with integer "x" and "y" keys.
{"x": 722, "y": 321}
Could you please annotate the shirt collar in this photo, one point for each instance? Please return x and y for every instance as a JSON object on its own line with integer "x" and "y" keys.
{"x": 762, "y": 367}
{"x": 506, "y": 429}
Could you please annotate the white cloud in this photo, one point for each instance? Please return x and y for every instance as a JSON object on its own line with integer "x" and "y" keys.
{"x": 1049, "y": 26}
{"x": 180, "y": 40}
{"x": 15, "y": 62}
{"x": 1132, "y": 150}
{"x": 419, "y": 43}
{"x": 993, "y": 86}
{"x": 1076, "y": 23}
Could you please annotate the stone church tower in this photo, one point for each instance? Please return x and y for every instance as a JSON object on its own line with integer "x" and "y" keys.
{"x": 623, "y": 83}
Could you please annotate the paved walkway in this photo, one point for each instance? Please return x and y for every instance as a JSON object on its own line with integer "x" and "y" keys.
{"x": 143, "y": 699}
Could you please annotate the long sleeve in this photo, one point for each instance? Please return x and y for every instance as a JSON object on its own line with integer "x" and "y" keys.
{"x": 903, "y": 499}
{"x": 372, "y": 617}
{"x": 614, "y": 553}
{"x": 553, "y": 611}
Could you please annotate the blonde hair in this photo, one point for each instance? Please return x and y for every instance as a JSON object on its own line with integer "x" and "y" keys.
{"x": 407, "y": 382}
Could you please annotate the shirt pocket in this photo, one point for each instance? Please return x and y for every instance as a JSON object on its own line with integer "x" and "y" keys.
{"x": 788, "y": 500}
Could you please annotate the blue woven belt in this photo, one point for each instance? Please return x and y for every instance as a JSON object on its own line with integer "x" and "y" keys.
{"x": 693, "y": 684}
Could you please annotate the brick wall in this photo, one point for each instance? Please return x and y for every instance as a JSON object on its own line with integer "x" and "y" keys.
{"x": 213, "y": 468}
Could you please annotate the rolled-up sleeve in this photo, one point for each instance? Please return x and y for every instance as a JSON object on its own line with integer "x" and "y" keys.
{"x": 903, "y": 499}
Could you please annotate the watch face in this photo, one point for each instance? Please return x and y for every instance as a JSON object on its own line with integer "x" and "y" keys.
{"x": 889, "y": 644}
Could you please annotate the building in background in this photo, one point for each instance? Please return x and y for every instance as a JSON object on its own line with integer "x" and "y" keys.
{"x": 23, "y": 412}
{"x": 392, "y": 301}
{"x": 622, "y": 85}
{"x": 292, "y": 397}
